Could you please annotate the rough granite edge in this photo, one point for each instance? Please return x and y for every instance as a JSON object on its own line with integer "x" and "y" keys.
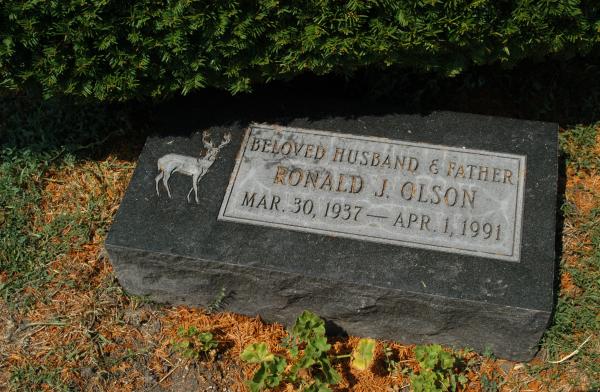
{"x": 510, "y": 332}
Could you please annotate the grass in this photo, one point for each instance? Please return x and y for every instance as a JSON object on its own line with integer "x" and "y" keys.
{"x": 577, "y": 311}
{"x": 38, "y": 140}
{"x": 29, "y": 376}
{"x": 65, "y": 323}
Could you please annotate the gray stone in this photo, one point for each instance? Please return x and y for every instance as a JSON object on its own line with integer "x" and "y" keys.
{"x": 372, "y": 269}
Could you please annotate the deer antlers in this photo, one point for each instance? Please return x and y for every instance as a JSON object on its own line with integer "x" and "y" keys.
{"x": 226, "y": 139}
{"x": 209, "y": 144}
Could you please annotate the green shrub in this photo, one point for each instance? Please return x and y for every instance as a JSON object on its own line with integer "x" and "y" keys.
{"x": 116, "y": 50}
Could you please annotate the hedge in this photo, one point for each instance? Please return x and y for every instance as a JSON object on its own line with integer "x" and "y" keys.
{"x": 117, "y": 50}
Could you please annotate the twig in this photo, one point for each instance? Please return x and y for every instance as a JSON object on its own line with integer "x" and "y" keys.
{"x": 99, "y": 142}
{"x": 36, "y": 330}
{"x": 520, "y": 383}
{"x": 85, "y": 147}
{"x": 574, "y": 352}
{"x": 342, "y": 356}
{"x": 48, "y": 323}
{"x": 170, "y": 372}
{"x": 166, "y": 360}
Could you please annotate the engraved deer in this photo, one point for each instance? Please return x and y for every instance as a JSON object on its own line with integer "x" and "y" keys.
{"x": 190, "y": 166}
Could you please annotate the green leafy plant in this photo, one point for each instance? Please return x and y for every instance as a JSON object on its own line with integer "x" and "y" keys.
{"x": 311, "y": 368}
{"x": 436, "y": 370}
{"x": 309, "y": 333}
{"x": 192, "y": 343}
{"x": 271, "y": 370}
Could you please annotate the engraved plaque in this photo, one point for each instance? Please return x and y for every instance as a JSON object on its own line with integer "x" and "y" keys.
{"x": 374, "y": 189}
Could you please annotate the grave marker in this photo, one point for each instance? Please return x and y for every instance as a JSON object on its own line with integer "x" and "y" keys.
{"x": 421, "y": 229}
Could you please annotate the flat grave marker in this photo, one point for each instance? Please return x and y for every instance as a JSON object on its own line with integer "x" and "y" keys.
{"x": 422, "y": 229}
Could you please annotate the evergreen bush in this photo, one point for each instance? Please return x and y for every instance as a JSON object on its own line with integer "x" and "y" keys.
{"x": 116, "y": 50}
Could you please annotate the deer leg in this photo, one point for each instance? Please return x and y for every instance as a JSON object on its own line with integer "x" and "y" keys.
{"x": 195, "y": 179}
{"x": 157, "y": 180}
{"x": 166, "y": 182}
{"x": 193, "y": 188}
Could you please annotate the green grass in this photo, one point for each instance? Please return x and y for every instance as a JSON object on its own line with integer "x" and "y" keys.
{"x": 25, "y": 250}
{"x": 38, "y": 137}
{"x": 578, "y": 145}
{"x": 34, "y": 378}
{"x": 576, "y": 317}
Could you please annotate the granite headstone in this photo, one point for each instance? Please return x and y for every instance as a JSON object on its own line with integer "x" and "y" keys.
{"x": 437, "y": 228}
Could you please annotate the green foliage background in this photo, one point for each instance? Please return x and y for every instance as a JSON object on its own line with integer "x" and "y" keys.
{"x": 117, "y": 50}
